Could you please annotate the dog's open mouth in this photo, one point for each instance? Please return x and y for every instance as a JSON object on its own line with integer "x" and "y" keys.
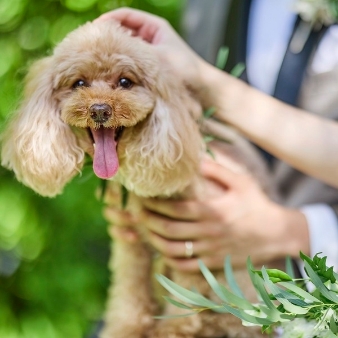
{"x": 105, "y": 159}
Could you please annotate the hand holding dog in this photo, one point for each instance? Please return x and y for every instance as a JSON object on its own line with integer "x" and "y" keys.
{"x": 241, "y": 222}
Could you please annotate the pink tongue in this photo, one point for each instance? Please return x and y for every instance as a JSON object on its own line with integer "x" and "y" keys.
{"x": 106, "y": 162}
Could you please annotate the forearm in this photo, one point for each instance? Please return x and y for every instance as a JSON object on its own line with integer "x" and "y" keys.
{"x": 307, "y": 142}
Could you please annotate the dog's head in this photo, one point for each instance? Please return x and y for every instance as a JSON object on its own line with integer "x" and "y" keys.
{"x": 103, "y": 92}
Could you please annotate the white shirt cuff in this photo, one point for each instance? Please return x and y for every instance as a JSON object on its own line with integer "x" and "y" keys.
{"x": 323, "y": 231}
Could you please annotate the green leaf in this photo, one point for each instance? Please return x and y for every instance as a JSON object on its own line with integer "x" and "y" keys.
{"x": 259, "y": 286}
{"x": 238, "y": 70}
{"x": 299, "y": 291}
{"x": 222, "y": 57}
{"x": 335, "y": 275}
{"x": 103, "y": 184}
{"x": 306, "y": 258}
{"x": 289, "y": 267}
{"x": 247, "y": 317}
{"x": 183, "y": 294}
{"x": 318, "y": 264}
{"x": 333, "y": 325}
{"x": 222, "y": 292}
{"x": 267, "y": 329}
{"x": 208, "y": 138}
{"x": 275, "y": 275}
{"x": 211, "y": 280}
{"x": 315, "y": 279}
{"x": 178, "y": 304}
{"x": 330, "y": 334}
{"x": 279, "y": 316}
{"x": 210, "y": 152}
{"x": 273, "y": 313}
{"x": 230, "y": 278}
{"x": 209, "y": 112}
{"x": 287, "y": 299}
{"x": 215, "y": 286}
{"x": 124, "y": 196}
{"x": 233, "y": 299}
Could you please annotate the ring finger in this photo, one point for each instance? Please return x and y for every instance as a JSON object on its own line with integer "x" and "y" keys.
{"x": 177, "y": 249}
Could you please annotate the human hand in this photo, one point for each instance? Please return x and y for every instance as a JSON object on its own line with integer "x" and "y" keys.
{"x": 167, "y": 44}
{"x": 123, "y": 221}
{"x": 241, "y": 222}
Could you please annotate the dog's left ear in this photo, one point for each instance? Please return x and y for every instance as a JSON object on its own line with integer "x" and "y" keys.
{"x": 37, "y": 145}
{"x": 169, "y": 143}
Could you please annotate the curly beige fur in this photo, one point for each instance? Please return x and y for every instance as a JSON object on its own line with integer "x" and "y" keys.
{"x": 158, "y": 154}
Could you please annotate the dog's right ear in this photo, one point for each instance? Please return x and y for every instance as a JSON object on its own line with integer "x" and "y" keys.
{"x": 37, "y": 145}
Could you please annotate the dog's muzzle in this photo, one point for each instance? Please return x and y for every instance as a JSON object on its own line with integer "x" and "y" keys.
{"x": 100, "y": 112}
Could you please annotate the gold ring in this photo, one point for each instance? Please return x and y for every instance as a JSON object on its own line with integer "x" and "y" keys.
{"x": 189, "y": 249}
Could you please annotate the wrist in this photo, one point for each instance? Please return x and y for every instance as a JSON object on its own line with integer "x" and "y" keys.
{"x": 292, "y": 231}
{"x": 226, "y": 93}
{"x": 238, "y": 104}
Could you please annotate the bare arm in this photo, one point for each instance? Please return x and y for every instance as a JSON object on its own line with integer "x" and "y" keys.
{"x": 306, "y": 142}
{"x": 240, "y": 222}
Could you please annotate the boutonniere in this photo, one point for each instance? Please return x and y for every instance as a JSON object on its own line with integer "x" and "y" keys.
{"x": 317, "y": 12}
{"x": 314, "y": 14}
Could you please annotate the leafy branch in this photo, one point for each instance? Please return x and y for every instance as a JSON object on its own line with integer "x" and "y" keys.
{"x": 282, "y": 300}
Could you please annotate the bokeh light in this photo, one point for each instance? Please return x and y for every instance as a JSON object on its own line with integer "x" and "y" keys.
{"x": 10, "y": 54}
{"x": 162, "y": 3}
{"x": 10, "y": 13}
{"x": 33, "y": 33}
{"x": 79, "y": 5}
{"x": 19, "y": 225}
{"x": 53, "y": 252}
{"x": 109, "y": 5}
{"x": 62, "y": 26}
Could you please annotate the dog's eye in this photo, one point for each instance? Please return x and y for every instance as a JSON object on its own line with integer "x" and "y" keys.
{"x": 80, "y": 83}
{"x": 125, "y": 83}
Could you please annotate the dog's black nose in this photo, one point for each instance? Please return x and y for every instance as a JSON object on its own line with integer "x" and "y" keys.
{"x": 100, "y": 112}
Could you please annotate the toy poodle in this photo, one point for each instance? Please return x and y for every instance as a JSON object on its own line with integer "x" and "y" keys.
{"x": 103, "y": 92}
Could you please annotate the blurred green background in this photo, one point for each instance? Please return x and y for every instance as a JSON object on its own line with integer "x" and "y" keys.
{"x": 53, "y": 252}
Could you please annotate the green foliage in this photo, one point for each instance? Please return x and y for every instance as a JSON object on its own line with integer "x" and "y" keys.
{"x": 282, "y": 301}
{"x": 53, "y": 252}
{"x": 53, "y": 260}
{"x": 222, "y": 58}
{"x": 318, "y": 264}
{"x": 124, "y": 197}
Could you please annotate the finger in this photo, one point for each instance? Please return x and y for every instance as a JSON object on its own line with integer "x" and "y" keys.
{"x": 185, "y": 210}
{"x": 112, "y": 197}
{"x": 125, "y": 234}
{"x": 224, "y": 176}
{"x": 174, "y": 248}
{"x": 145, "y": 24}
{"x": 119, "y": 217}
{"x": 169, "y": 248}
{"x": 178, "y": 230}
{"x": 134, "y": 18}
